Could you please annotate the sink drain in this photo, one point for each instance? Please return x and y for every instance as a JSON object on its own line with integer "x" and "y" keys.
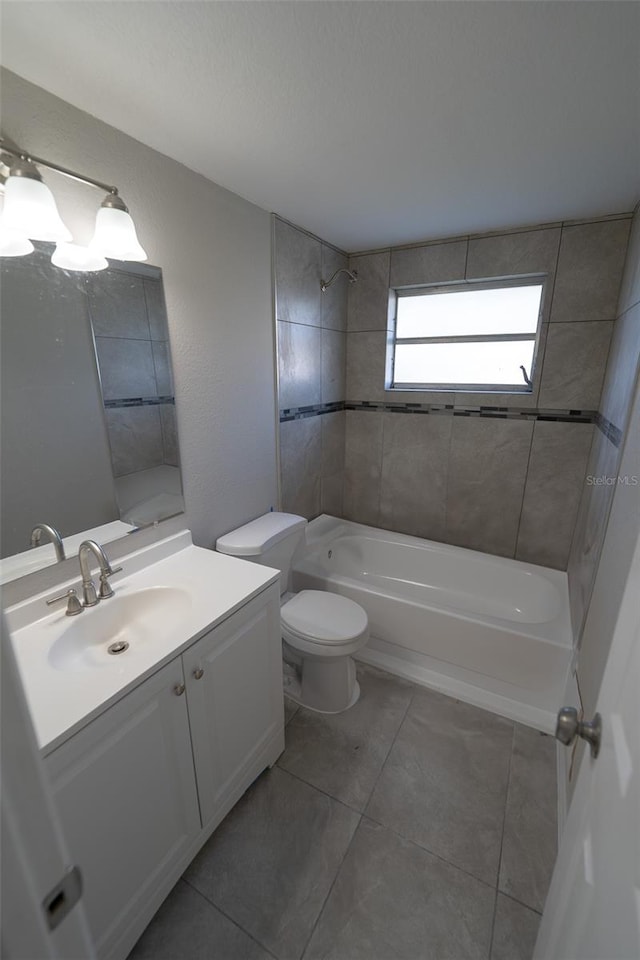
{"x": 118, "y": 647}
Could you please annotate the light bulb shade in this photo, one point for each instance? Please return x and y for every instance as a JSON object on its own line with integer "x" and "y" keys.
{"x": 30, "y": 210}
{"x": 12, "y": 243}
{"x": 72, "y": 256}
{"x": 115, "y": 236}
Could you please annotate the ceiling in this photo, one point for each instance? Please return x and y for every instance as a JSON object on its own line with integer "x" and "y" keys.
{"x": 368, "y": 123}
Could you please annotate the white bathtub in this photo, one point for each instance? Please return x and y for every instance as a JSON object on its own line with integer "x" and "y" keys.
{"x": 491, "y": 631}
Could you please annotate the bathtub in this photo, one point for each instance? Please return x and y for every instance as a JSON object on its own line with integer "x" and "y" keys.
{"x": 487, "y": 630}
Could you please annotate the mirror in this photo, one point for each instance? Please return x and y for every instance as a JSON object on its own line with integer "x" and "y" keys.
{"x": 87, "y": 419}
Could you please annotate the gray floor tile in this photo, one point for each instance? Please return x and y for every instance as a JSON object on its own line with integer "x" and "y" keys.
{"x": 343, "y": 754}
{"x": 530, "y": 832}
{"x": 515, "y": 930}
{"x": 271, "y": 863}
{"x": 444, "y": 784}
{"x": 393, "y": 900}
{"x": 190, "y": 928}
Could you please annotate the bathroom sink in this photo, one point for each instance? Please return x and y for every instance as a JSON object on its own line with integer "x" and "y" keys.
{"x": 102, "y": 636}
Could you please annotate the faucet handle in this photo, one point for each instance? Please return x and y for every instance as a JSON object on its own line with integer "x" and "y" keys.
{"x": 74, "y": 607}
{"x": 106, "y": 590}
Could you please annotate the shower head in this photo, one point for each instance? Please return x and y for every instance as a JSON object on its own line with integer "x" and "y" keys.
{"x": 351, "y": 274}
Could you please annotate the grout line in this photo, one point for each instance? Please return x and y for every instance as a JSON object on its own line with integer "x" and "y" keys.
{"x": 520, "y": 903}
{"x": 504, "y": 821}
{"x": 313, "y": 786}
{"x": 226, "y": 915}
{"x": 493, "y": 923}
{"x": 330, "y": 890}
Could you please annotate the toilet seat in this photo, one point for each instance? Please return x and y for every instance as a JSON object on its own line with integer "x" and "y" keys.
{"x": 325, "y": 619}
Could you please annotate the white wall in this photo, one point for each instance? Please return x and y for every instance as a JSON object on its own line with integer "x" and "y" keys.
{"x": 215, "y": 252}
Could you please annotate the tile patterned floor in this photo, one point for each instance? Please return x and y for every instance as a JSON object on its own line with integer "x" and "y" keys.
{"x": 411, "y": 827}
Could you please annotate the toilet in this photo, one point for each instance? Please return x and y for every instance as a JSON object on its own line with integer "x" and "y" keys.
{"x": 320, "y": 630}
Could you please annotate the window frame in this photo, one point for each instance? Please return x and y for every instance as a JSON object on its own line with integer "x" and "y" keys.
{"x": 497, "y": 283}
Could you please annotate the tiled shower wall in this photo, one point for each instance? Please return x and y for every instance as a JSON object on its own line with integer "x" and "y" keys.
{"x": 311, "y": 371}
{"x": 129, "y": 322}
{"x": 604, "y": 460}
{"x": 498, "y": 473}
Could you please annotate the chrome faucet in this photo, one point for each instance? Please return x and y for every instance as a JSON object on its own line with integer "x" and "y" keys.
{"x": 53, "y": 535}
{"x": 89, "y": 595}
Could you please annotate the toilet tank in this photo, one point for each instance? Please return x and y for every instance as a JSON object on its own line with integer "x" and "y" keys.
{"x": 271, "y": 539}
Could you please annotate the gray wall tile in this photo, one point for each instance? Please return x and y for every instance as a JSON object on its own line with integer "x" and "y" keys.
{"x": 298, "y": 270}
{"x": 514, "y": 254}
{"x": 118, "y": 306}
{"x": 126, "y": 368}
{"x": 574, "y": 365}
{"x": 591, "y": 526}
{"x": 622, "y": 368}
{"x": 333, "y": 365}
{"x": 334, "y": 300}
{"x": 162, "y": 366}
{"x": 363, "y": 464}
{"x": 299, "y": 351}
{"x": 555, "y": 480}
{"x": 415, "y": 465}
{"x": 156, "y": 309}
{"x": 590, "y": 267}
{"x": 135, "y": 436}
{"x": 433, "y": 263}
{"x": 169, "y": 434}
{"x": 333, "y": 426}
{"x": 301, "y": 464}
{"x": 487, "y": 473}
{"x": 630, "y": 287}
{"x": 366, "y": 362}
{"x": 368, "y": 299}
{"x": 332, "y": 495}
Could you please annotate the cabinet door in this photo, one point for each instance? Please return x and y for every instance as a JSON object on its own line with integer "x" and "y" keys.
{"x": 234, "y": 688}
{"x": 125, "y": 789}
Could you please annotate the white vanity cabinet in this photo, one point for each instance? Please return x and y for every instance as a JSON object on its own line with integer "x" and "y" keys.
{"x": 141, "y": 787}
{"x": 126, "y": 796}
{"x": 236, "y": 708}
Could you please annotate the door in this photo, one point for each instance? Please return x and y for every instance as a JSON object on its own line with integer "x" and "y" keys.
{"x": 40, "y": 914}
{"x": 593, "y": 906}
{"x": 236, "y": 707}
{"x": 125, "y": 788}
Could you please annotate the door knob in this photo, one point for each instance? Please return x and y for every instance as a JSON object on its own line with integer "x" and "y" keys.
{"x": 569, "y": 727}
{"x": 178, "y": 689}
{"x": 198, "y": 673}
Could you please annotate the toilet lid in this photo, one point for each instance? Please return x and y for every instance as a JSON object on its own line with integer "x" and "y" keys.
{"x": 323, "y": 617}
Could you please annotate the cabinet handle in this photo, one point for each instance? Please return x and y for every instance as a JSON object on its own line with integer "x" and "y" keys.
{"x": 198, "y": 673}
{"x": 178, "y": 689}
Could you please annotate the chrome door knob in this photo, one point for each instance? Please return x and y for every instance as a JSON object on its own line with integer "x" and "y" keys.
{"x": 198, "y": 673}
{"x": 178, "y": 689}
{"x": 569, "y": 726}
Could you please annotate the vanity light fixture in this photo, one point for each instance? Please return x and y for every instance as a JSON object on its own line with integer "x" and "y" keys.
{"x": 30, "y": 213}
{"x": 73, "y": 256}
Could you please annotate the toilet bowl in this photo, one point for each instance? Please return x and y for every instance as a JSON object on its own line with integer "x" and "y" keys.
{"x": 320, "y": 630}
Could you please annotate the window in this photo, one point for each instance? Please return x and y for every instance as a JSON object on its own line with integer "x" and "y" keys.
{"x": 471, "y": 336}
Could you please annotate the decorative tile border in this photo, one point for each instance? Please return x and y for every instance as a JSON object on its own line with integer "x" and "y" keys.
{"x": 138, "y": 402}
{"x": 313, "y": 410}
{"x": 611, "y": 432}
{"x": 446, "y": 410}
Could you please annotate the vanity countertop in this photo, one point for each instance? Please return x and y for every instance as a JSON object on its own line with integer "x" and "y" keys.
{"x": 188, "y": 591}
